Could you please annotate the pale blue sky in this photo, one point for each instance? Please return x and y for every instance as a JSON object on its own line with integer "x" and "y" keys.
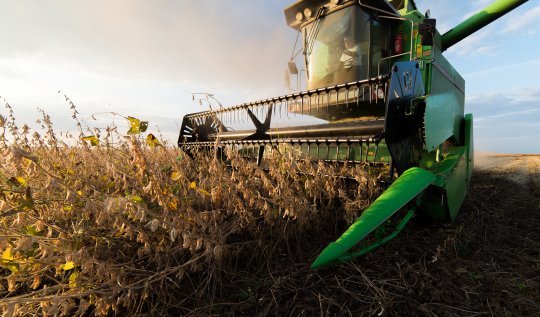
{"x": 144, "y": 58}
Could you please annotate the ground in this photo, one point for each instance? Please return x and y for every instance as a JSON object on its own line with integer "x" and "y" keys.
{"x": 485, "y": 264}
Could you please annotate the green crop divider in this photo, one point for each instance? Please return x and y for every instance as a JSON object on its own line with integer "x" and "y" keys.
{"x": 377, "y": 244}
{"x": 408, "y": 186}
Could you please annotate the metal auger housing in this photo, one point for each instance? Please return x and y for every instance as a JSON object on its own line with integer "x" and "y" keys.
{"x": 378, "y": 90}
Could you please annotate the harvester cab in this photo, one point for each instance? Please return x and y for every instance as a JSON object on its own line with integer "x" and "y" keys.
{"x": 379, "y": 90}
{"x": 342, "y": 43}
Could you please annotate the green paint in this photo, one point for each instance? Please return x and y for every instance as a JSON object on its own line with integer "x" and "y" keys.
{"x": 441, "y": 119}
{"x": 478, "y": 21}
{"x": 403, "y": 190}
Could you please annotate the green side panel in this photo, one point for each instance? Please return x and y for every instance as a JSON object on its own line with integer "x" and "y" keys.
{"x": 469, "y": 143}
{"x": 456, "y": 187}
{"x": 444, "y": 82}
{"x": 443, "y": 200}
{"x": 441, "y": 118}
{"x": 403, "y": 190}
{"x": 434, "y": 204}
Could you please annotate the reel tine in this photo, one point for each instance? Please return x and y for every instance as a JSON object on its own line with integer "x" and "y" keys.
{"x": 347, "y": 98}
{"x": 289, "y": 101}
{"x": 328, "y": 95}
{"x": 327, "y": 150}
{"x": 367, "y": 150}
{"x": 318, "y": 103}
{"x": 376, "y": 151}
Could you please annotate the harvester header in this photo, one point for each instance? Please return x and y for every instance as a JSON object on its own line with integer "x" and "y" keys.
{"x": 379, "y": 91}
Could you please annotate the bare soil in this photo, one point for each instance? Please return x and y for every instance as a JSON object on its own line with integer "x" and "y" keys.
{"x": 485, "y": 264}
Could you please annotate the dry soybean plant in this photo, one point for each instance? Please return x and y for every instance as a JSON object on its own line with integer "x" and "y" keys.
{"x": 88, "y": 226}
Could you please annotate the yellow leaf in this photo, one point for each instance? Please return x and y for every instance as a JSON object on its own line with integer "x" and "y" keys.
{"x": 79, "y": 193}
{"x": 68, "y": 266}
{"x": 173, "y": 204}
{"x": 94, "y": 141}
{"x": 152, "y": 141}
{"x": 32, "y": 231}
{"x": 67, "y": 208}
{"x": 8, "y": 260}
{"x": 136, "y": 126}
{"x": 7, "y": 255}
{"x": 175, "y": 176}
{"x": 22, "y": 181}
{"x": 73, "y": 279}
{"x": 193, "y": 185}
{"x": 204, "y": 192}
{"x": 136, "y": 199}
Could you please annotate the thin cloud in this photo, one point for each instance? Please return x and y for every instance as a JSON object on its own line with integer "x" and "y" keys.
{"x": 528, "y": 21}
{"x": 500, "y": 117}
{"x": 480, "y": 43}
{"x": 528, "y": 63}
{"x": 158, "y": 39}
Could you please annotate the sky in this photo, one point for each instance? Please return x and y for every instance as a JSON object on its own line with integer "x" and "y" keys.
{"x": 146, "y": 58}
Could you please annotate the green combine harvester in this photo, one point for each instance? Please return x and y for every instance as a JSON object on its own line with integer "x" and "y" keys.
{"x": 379, "y": 90}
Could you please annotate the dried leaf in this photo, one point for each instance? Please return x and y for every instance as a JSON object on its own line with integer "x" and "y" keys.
{"x": 198, "y": 244}
{"x": 154, "y": 225}
{"x": 36, "y": 282}
{"x": 173, "y": 234}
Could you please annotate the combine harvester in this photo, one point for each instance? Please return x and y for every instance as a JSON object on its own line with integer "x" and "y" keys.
{"x": 379, "y": 90}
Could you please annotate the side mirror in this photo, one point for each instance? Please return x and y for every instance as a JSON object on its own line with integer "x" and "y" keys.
{"x": 427, "y": 31}
{"x": 293, "y": 70}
